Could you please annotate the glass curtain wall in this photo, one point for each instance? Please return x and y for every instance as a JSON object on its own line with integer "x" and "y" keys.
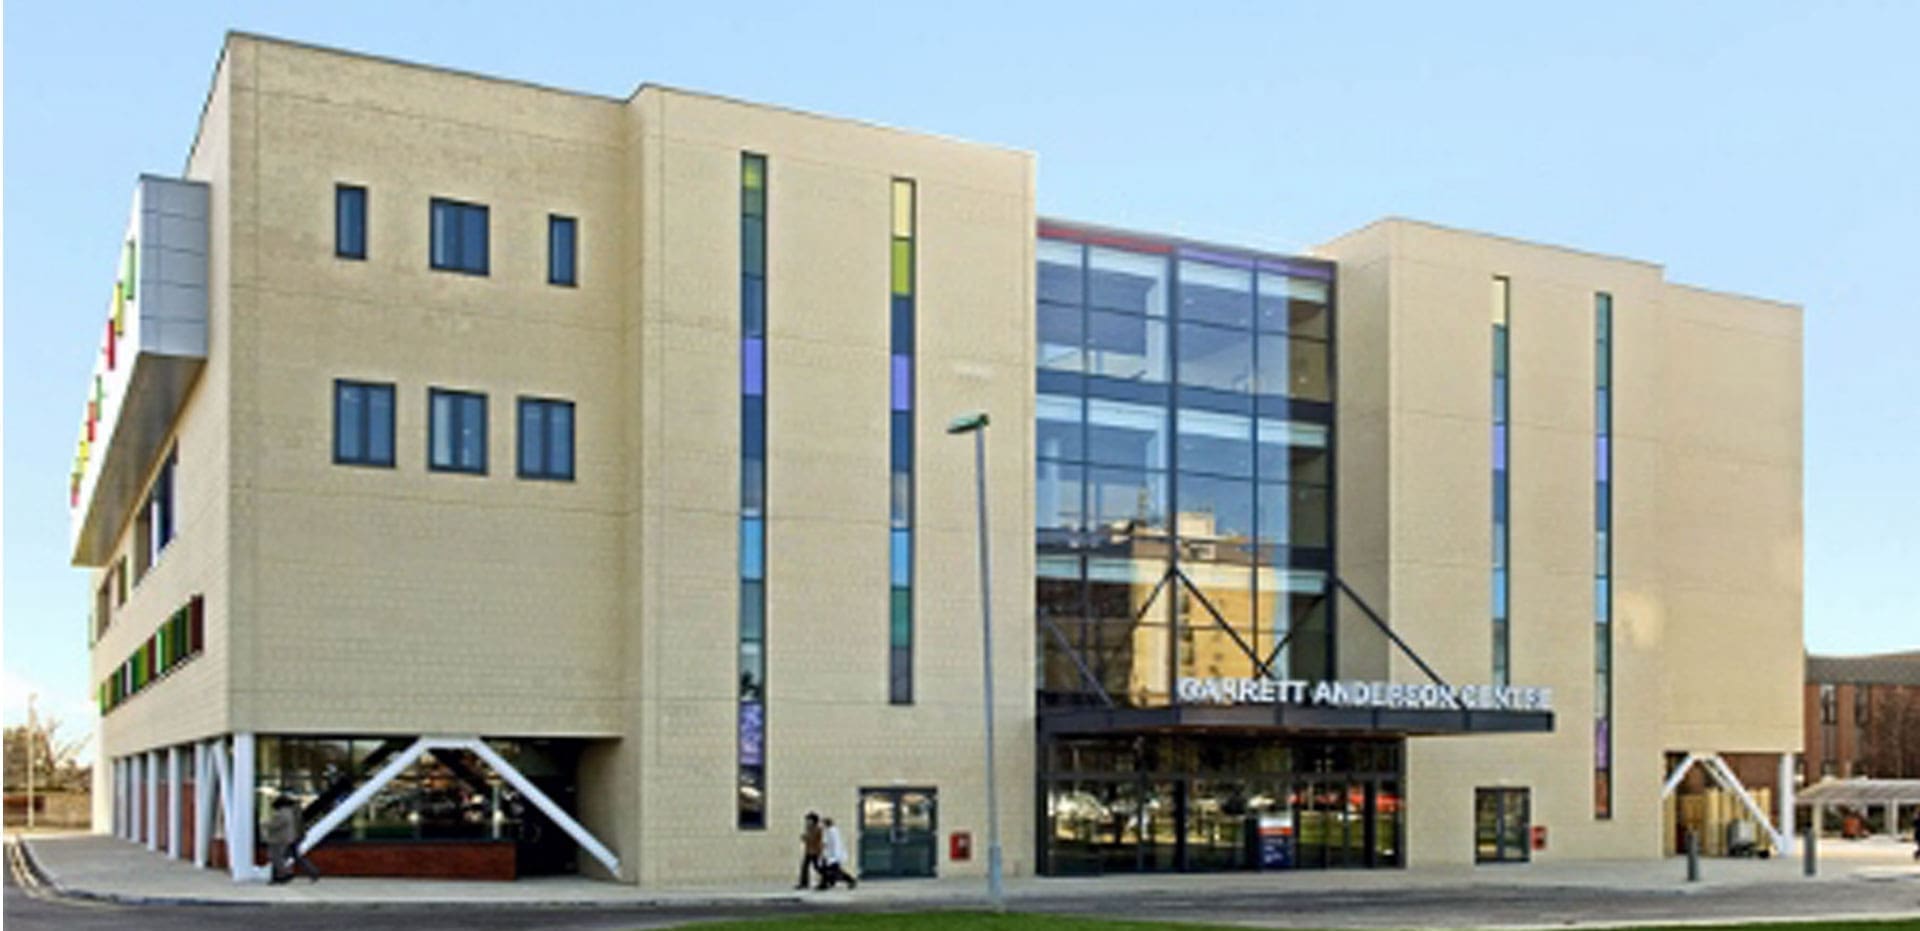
{"x": 1157, "y": 803}
{"x": 1184, "y": 488}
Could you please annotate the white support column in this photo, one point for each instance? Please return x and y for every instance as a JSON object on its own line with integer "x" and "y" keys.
{"x": 1723, "y": 774}
{"x": 240, "y": 814}
{"x": 133, "y": 798}
{"x": 545, "y": 804}
{"x": 1785, "y": 800}
{"x": 1679, "y": 773}
{"x": 202, "y": 803}
{"x": 152, "y": 812}
{"x": 173, "y": 802}
{"x": 347, "y": 806}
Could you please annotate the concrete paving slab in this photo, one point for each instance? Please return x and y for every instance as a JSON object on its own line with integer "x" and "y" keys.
{"x": 107, "y": 868}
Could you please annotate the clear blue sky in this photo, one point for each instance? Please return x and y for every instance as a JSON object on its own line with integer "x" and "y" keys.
{"x": 1764, "y": 148}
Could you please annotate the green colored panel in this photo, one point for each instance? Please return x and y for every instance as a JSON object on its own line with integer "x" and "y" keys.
{"x": 129, "y": 270}
{"x": 901, "y": 633}
{"x": 903, "y": 267}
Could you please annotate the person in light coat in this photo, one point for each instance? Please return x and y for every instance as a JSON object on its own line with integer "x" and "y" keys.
{"x": 283, "y": 843}
{"x": 834, "y": 859}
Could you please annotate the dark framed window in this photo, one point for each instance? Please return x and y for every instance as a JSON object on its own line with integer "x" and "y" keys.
{"x": 362, "y": 423}
{"x": 349, "y": 221}
{"x": 546, "y": 439}
{"x": 456, "y": 431}
{"x": 560, "y": 250}
{"x": 160, "y": 505}
{"x": 458, "y": 240}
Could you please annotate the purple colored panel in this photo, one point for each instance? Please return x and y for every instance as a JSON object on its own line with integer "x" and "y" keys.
{"x": 1602, "y": 743}
{"x": 1499, "y": 447}
{"x": 1603, "y": 458}
{"x": 902, "y": 383}
{"x": 753, "y": 733}
{"x": 1217, "y": 258}
{"x": 1297, "y": 269}
{"x": 753, "y": 367}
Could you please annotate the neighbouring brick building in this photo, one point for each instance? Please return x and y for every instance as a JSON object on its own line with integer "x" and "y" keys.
{"x": 1863, "y": 717}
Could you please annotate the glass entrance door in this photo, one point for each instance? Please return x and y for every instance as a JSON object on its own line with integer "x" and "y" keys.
{"x": 1501, "y": 825}
{"x": 898, "y": 832}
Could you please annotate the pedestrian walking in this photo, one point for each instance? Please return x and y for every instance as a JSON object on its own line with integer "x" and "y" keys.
{"x": 833, "y": 860}
{"x": 812, "y": 843}
{"x": 283, "y": 843}
{"x": 1916, "y": 835}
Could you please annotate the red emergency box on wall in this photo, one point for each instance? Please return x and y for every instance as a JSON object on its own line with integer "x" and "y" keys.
{"x": 960, "y": 846}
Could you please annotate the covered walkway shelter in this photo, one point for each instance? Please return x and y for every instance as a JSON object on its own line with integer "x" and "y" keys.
{"x": 1897, "y": 797}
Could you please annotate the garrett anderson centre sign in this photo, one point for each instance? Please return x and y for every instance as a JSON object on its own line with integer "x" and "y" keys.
{"x": 1360, "y": 694}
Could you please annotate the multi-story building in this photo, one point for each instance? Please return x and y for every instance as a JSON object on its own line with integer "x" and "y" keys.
{"x": 1862, "y": 717}
{"x": 618, "y": 534}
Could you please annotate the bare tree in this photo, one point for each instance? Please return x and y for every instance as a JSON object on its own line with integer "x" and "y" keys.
{"x": 55, "y": 764}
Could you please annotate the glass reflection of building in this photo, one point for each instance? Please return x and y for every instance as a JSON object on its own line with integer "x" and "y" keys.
{"x": 1184, "y": 506}
{"x": 1184, "y": 466}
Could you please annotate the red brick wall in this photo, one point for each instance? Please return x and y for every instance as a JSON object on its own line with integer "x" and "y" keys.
{"x": 418, "y": 859}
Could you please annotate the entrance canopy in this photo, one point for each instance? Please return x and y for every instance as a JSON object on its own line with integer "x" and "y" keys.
{"x": 1862, "y": 792}
{"x": 1306, "y": 720}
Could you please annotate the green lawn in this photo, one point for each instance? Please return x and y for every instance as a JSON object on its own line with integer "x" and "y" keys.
{"x": 976, "y": 921}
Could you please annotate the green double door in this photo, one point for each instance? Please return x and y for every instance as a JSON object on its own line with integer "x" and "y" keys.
{"x": 898, "y": 832}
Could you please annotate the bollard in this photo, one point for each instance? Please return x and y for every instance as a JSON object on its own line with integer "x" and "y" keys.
{"x": 1812, "y": 867}
{"x": 1693, "y": 857}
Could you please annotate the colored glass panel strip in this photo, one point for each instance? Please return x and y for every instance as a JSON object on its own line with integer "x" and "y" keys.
{"x": 751, "y": 722}
{"x": 1502, "y": 439}
{"x": 1603, "y": 557}
{"x": 902, "y": 304}
{"x": 181, "y": 637}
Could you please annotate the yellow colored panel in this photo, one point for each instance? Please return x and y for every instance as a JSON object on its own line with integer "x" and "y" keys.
{"x": 903, "y": 208}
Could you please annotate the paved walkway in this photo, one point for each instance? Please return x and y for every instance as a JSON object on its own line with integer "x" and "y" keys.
{"x": 101, "y": 867}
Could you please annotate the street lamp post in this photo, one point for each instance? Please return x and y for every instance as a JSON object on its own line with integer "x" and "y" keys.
{"x": 33, "y": 728}
{"x": 976, "y": 424}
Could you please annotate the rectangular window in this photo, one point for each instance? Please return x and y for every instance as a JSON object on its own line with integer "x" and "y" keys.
{"x": 459, "y": 236}
{"x": 560, "y": 250}
{"x": 750, "y": 805}
{"x": 1603, "y": 558}
{"x": 1501, "y": 453}
{"x": 901, "y": 303}
{"x": 546, "y": 439}
{"x": 350, "y": 221}
{"x": 456, "y": 431}
{"x": 362, "y": 423}
{"x": 160, "y": 505}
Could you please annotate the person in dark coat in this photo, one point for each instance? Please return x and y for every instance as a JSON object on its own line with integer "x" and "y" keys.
{"x": 811, "y": 840}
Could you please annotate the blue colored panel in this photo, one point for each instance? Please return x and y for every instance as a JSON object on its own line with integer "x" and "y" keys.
{"x": 753, "y": 367}
{"x": 1500, "y": 447}
{"x": 1603, "y": 458}
{"x": 753, "y": 733}
{"x": 753, "y": 306}
{"x": 901, "y": 562}
{"x": 902, "y": 383}
{"x": 753, "y": 551}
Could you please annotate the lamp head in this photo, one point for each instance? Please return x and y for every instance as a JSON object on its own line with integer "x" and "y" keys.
{"x": 968, "y": 422}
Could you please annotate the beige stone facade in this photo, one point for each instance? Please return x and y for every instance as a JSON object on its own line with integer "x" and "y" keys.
{"x": 1706, "y": 517}
{"x": 396, "y": 602}
{"x": 404, "y": 601}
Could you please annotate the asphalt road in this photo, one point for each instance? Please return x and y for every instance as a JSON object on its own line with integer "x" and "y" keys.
{"x": 32, "y": 910}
